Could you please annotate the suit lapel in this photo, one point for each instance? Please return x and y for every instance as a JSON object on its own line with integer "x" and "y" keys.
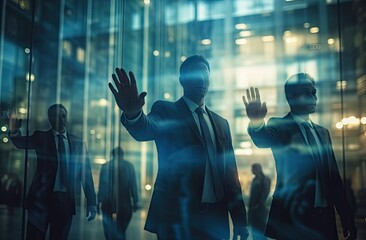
{"x": 216, "y": 129}
{"x": 70, "y": 144}
{"x": 297, "y": 135}
{"x": 186, "y": 112}
{"x": 295, "y": 130}
{"x": 320, "y": 134}
{"x": 52, "y": 145}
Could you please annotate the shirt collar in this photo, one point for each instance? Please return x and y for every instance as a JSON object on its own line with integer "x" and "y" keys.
{"x": 192, "y": 105}
{"x": 55, "y": 133}
{"x": 299, "y": 120}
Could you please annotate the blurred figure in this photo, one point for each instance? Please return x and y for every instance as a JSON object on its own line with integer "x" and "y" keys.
{"x": 257, "y": 212}
{"x": 350, "y": 194}
{"x": 309, "y": 186}
{"x": 117, "y": 195}
{"x": 197, "y": 184}
{"x": 62, "y": 166}
{"x": 13, "y": 192}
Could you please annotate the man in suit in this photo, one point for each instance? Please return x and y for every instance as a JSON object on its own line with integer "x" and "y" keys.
{"x": 62, "y": 165}
{"x": 309, "y": 186}
{"x": 197, "y": 182}
{"x": 117, "y": 195}
{"x": 257, "y": 209}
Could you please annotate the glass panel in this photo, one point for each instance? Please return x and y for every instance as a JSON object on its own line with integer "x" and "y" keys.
{"x": 66, "y": 51}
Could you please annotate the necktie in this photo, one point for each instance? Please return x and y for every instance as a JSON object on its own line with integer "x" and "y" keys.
{"x": 62, "y": 159}
{"x": 313, "y": 145}
{"x": 218, "y": 186}
{"x": 321, "y": 173}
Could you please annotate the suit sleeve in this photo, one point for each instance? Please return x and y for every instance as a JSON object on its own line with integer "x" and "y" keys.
{"x": 265, "y": 136}
{"x": 234, "y": 197}
{"x": 23, "y": 142}
{"x": 337, "y": 190}
{"x": 147, "y": 126}
{"x": 87, "y": 179}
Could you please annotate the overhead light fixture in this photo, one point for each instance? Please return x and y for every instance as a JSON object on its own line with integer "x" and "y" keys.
{"x": 241, "y": 26}
{"x": 240, "y": 41}
{"x": 206, "y": 41}
{"x": 269, "y": 38}
{"x": 245, "y": 34}
{"x": 314, "y": 30}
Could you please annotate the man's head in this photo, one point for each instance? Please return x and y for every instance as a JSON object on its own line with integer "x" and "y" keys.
{"x": 194, "y": 77}
{"x": 301, "y": 93}
{"x": 117, "y": 153}
{"x": 57, "y": 116}
{"x": 256, "y": 169}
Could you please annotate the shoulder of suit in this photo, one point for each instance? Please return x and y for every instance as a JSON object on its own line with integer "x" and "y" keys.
{"x": 216, "y": 115}
{"x": 278, "y": 120}
{"x": 162, "y": 104}
{"x": 41, "y": 132}
{"x": 73, "y": 138}
{"x": 319, "y": 127}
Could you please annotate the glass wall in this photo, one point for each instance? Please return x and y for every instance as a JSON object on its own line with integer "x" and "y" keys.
{"x": 65, "y": 52}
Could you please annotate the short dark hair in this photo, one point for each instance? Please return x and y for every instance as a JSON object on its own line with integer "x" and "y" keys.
{"x": 257, "y": 166}
{"x": 295, "y": 82}
{"x": 117, "y": 150}
{"x": 54, "y": 107}
{"x": 191, "y": 60}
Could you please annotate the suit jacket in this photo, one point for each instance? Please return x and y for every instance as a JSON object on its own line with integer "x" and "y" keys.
{"x": 257, "y": 209}
{"x": 296, "y": 177}
{"x": 120, "y": 196}
{"x": 40, "y": 192}
{"x": 176, "y": 199}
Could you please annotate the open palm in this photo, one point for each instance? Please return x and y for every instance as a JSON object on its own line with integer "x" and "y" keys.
{"x": 256, "y": 110}
{"x": 126, "y": 93}
{"x": 14, "y": 122}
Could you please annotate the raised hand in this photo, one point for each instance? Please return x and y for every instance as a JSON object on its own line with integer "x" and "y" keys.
{"x": 14, "y": 122}
{"x": 126, "y": 94}
{"x": 256, "y": 110}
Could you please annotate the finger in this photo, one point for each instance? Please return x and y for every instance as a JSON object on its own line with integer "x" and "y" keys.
{"x": 245, "y": 101}
{"x": 248, "y": 96}
{"x": 11, "y": 113}
{"x": 257, "y": 95}
{"x": 264, "y": 106}
{"x": 122, "y": 75}
{"x": 142, "y": 98}
{"x": 110, "y": 85}
{"x": 253, "y": 94}
{"x": 116, "y": 82}
{"x": 133, "y": 80}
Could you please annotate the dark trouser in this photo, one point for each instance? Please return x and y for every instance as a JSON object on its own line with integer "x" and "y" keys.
{"x": 60, "y": 216}
{"x": 59, "y": 220}
{"x": 315, "y": 224}
{"x": 115, "y": 225}
{"x": 33, "y": 233}
{"x": 209, "y": 223}
{"x": 257, "y": 219}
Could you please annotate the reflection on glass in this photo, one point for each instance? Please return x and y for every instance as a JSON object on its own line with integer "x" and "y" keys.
{"x": 78, "y": 44}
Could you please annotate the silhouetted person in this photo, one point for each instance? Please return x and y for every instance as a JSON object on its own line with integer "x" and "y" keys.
{"x": 117, "y": 195}
{"x": 197, "y": 182}
{"x": 62, "y": 165}
{"x": 13, "y": 192}
{"x": 257, "y": 210}
{"x": 309, "y": 186}
{"x": 350, "y": 194}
